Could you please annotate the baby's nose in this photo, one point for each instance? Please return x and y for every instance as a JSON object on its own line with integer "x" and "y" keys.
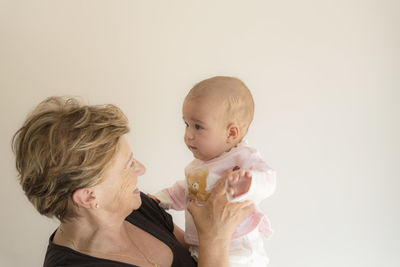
{"x": 189, "y": 134}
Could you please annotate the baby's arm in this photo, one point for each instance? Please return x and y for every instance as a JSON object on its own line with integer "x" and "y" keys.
{"x": 256, "y": 182}
{"x": 173, "y": 197}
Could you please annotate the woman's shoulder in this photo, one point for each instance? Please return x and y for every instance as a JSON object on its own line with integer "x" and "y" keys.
{"x": 151, "y": 212}
{"x": 153, "y": 219}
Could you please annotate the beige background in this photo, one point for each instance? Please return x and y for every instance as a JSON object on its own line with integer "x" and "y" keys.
{"x": 325, "y": 77}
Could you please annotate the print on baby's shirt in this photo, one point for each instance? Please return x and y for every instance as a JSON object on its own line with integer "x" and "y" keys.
{"x": 199, "y": 184}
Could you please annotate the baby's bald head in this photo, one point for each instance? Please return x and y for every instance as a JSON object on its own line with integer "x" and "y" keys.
{"x": 228, "y": 93}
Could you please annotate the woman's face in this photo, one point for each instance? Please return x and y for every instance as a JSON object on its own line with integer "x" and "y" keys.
{"x": 118, "y": 192}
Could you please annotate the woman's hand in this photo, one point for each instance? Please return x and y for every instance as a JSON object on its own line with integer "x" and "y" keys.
{"x": 216, "y": 221}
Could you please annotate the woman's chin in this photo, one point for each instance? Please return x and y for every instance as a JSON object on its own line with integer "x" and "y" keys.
{"x": 137, "y": 202}
{"x": 136, "y": 191}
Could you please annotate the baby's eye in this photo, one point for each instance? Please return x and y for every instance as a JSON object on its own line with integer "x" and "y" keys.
{"x": 186, "y": 124}
{"x": 197, "y": 127}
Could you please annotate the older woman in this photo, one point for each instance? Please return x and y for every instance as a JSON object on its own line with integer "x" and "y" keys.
{"x": 74, "y": 163}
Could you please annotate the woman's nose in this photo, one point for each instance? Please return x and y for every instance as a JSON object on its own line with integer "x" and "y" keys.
{"x": 140, "y": 169}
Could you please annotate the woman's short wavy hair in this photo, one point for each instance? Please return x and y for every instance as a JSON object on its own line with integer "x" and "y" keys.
{"x": 64, "y": 146}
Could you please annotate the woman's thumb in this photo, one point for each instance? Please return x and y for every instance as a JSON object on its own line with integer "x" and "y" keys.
{"x": 192, "y": 207}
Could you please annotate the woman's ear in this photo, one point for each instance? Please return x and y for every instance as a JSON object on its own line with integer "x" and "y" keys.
{"x": 232, "y": 132}
{"x": 85, "y": 197}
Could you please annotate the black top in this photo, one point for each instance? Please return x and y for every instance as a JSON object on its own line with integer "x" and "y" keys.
{"x": 150, "y": 218}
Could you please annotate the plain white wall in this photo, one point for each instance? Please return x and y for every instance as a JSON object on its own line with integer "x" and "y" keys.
{"x": 325, "y": 76}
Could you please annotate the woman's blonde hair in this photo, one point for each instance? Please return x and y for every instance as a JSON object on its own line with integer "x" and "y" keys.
{"x": 64, "y": 146}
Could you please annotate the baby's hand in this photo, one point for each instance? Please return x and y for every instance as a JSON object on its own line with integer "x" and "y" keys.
{"x": 153, "y": 197}
{"x": 238, "y": 183}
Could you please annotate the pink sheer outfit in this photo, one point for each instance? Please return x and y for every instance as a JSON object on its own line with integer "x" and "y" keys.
{"x": 262, "y": 186}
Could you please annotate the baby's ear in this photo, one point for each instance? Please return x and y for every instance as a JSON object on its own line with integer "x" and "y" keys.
{"x": 232, "y": 132}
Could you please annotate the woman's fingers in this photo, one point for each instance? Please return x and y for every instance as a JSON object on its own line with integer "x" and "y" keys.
{"x": 242, "y": 209}
{"x": 219, "y": 188}
{"x": 218, "y": 218}
{"x": 230, "y": 191}
{"x": 192, "y": 208}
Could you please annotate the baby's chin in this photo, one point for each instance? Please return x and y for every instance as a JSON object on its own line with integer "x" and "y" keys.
{"x": 204, "y": 157}
{"x": 199, "y": 157}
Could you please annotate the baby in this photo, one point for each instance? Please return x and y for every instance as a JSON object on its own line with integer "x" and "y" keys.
{"x": 217, "y": 113}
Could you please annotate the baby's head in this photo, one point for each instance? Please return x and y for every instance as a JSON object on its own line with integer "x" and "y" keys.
{"x": 217, "y": 113}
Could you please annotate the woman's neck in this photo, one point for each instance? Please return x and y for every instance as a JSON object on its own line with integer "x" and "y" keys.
{"x": 91, "y": 235}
